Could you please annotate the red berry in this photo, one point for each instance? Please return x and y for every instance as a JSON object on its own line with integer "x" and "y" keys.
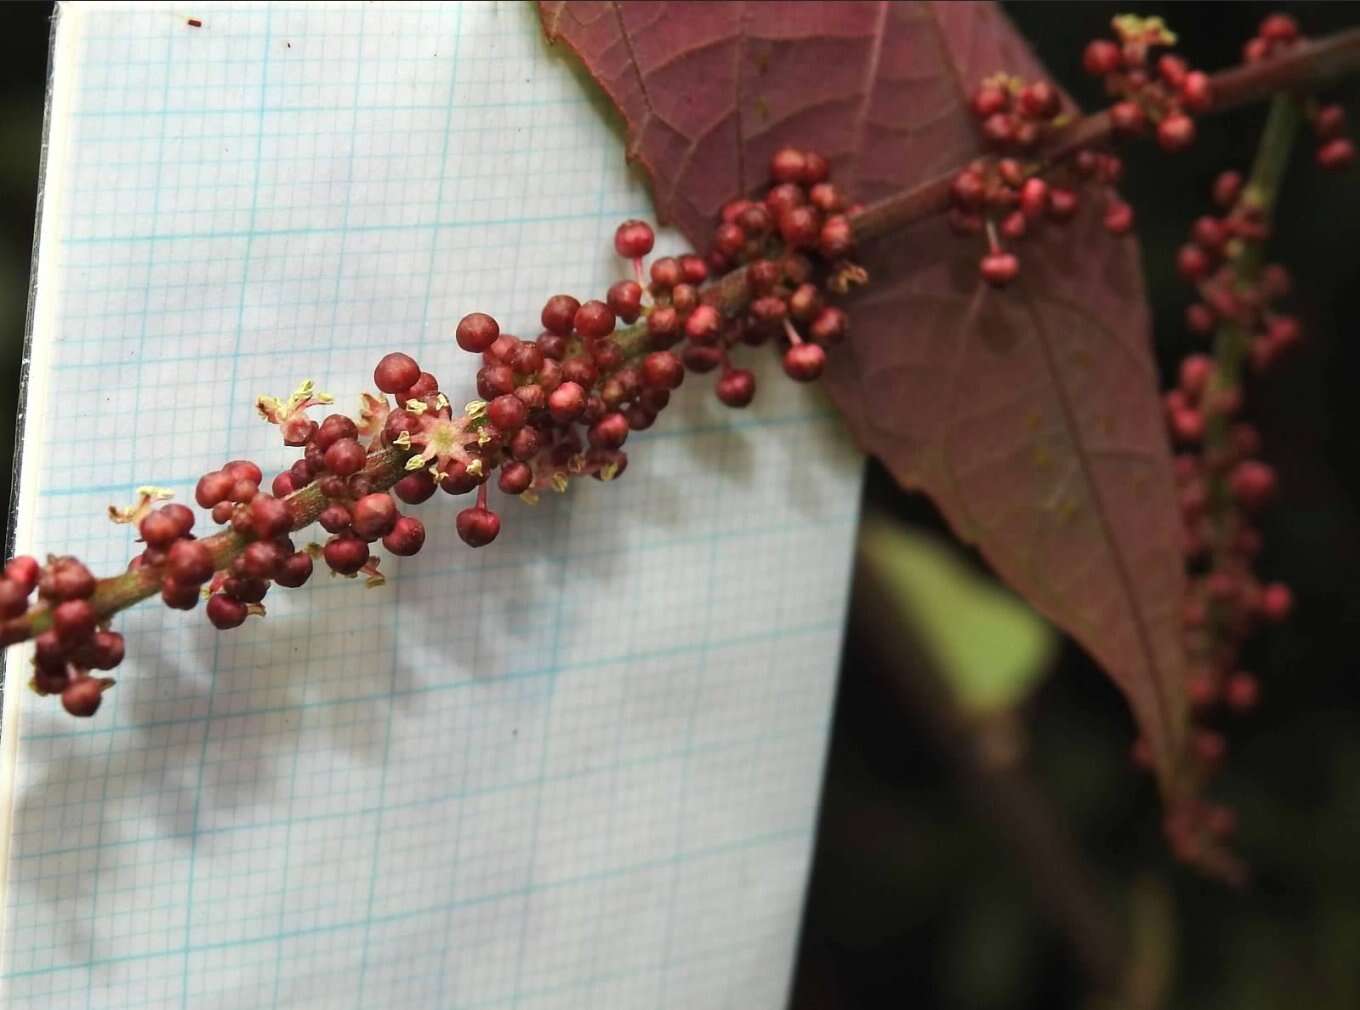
{"x": 1128, "y": 118}
{"x": 159, "y": 530}
{"x": 633, "y": 239}
{"x": 968, "y": 190}
{"x": 663, "y": 370}
{"x": 105, "y": 651}
{"x": 258, "y": 560}
{"x": 23, "y": 571}
{"x": 414, "y": 488}
{"x": 829, "y": 326}
{"x": 1278, "y": 28}
{"x": 1227, "y": 188}
{"x": 1242, "y": 692}
{"x": 787, "y": 165}
{"x": 1176, "y": 132}
{"x": 344, "y": 457}
{"x": 406, "y": 537}
{"x": 1330, "y": 122}
{"x": 179, "y": 595}
{"x": 189, "y": 562}
{"x": 13, "y": 599}
{"x": 213, "y": 488}
{"x": 594, "y": 319}
{"x": 515, "y": 478}
{"x": 346, "y": 554}
{"x": 283, "y": 485}
{"x": 800, "y": 227}
{"x": 1033, "y": 197}
{"x": 1101, "y": 57}
{"x": 1253, "y": 483}
{"x": 73, "y": 621}
{"x": 736, "y": 387}
{"x": 703, "y": 325}
{"x": 609, "y": 432}
{"x": 1336, "y": 155}
{"x": 478, "y": 526}
{"x": 81, "y": 697}
{"x": 1039, "y": 100}
{"x": 494, "y": 381}
{"x": 988, "y": 100}
{"x": 1118, "y": 218}
{"x": 294, "y": 570}
{"x": 625, "y": 298}
{"x": 663, "y": 326}
{"x": 1192, "y": 263}
{"x": 225, "y": 613}
{"x": 1277, "y": 602}
{"x": 815, "y": 168}
{"x": 334, "y": 428}
{"x": 804, "y": 362}
{"x": 1062, "y": 203}
{"x": 701, "y": 359}
{"x": 1197, "y": 92}
{"x": 1195, "y": 373}
{"x": 999, "y": 268}
{"x": 270, "y": 517}
{"x": 836, "y": 238}
{"x": 397, "y": 371}
{"x": 666, "y": 273}
{"x": 508, "y": 413}
{"x": 375, "y": 515}
{"x": 559, "y": 314}
{"x": 566, "y": 402}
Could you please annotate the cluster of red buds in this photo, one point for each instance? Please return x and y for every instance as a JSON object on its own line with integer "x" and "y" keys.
{"x": 1223, "y": 486}
{"x": 1207, "y": 261}
{"x": 1278, "y": 33}
{"x": 1004, "y": 195}
{"x": 549, "y": 409}
{"x": 1166, "y": 96}
{"x": 1010, "y": 193}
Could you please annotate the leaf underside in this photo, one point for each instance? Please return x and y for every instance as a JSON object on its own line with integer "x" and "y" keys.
{"x": 1031, "y": 415}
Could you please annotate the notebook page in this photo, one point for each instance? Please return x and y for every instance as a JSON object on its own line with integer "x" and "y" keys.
{"x": 577, "y": 768}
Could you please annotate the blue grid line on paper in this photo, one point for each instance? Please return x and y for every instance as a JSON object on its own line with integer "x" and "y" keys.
{"x": 786, "y": 835}
{"x": 325, "y": 255}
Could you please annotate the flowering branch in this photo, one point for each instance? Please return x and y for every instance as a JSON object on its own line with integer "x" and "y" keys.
{"x": 1305, "y": 67}
{"x": 564, "y": 404}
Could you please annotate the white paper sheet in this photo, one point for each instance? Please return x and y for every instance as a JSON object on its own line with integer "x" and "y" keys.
{"x": 578, "y": 768}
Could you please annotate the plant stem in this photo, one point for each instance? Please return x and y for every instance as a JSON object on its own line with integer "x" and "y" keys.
{"x": 384, "y": 468}
{"x": 1231, "y": 342}
{"x": 1308, "y": 65}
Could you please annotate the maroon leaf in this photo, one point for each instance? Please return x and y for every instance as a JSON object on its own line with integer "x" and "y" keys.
{"x": 1031, "y": 416}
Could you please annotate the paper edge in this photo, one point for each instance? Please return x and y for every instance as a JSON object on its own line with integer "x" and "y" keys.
{"x": 32, "y": 401}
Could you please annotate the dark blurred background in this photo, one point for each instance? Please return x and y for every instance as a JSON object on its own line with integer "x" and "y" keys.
{"x": 1015, "y": 861}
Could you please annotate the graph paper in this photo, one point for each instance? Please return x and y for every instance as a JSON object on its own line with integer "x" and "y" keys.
{"x": 577, "y": 768}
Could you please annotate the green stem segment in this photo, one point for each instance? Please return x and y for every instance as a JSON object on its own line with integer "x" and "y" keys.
{"x": 1310, "y": 65}
{"x": 1232, "y": 342}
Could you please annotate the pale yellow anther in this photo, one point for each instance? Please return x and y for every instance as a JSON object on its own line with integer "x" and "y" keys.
{"x": 375, "y": 580}
{"x": 475, "y": 468}
{"x": 475, "y": 408}
{"x": 609, "y": 471}
{"x": 415, "y": 462}
{"x": 441, "y": 401}
{"x": 529, "y": 497}
{"x": 136, "y": 513}
{"x": 559, "y": 482}
{"x": 403, "y": 440}
{"x": 577, "y": 463}
{"x": 417, "y": 407}
{"x": 483, "y": 436}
